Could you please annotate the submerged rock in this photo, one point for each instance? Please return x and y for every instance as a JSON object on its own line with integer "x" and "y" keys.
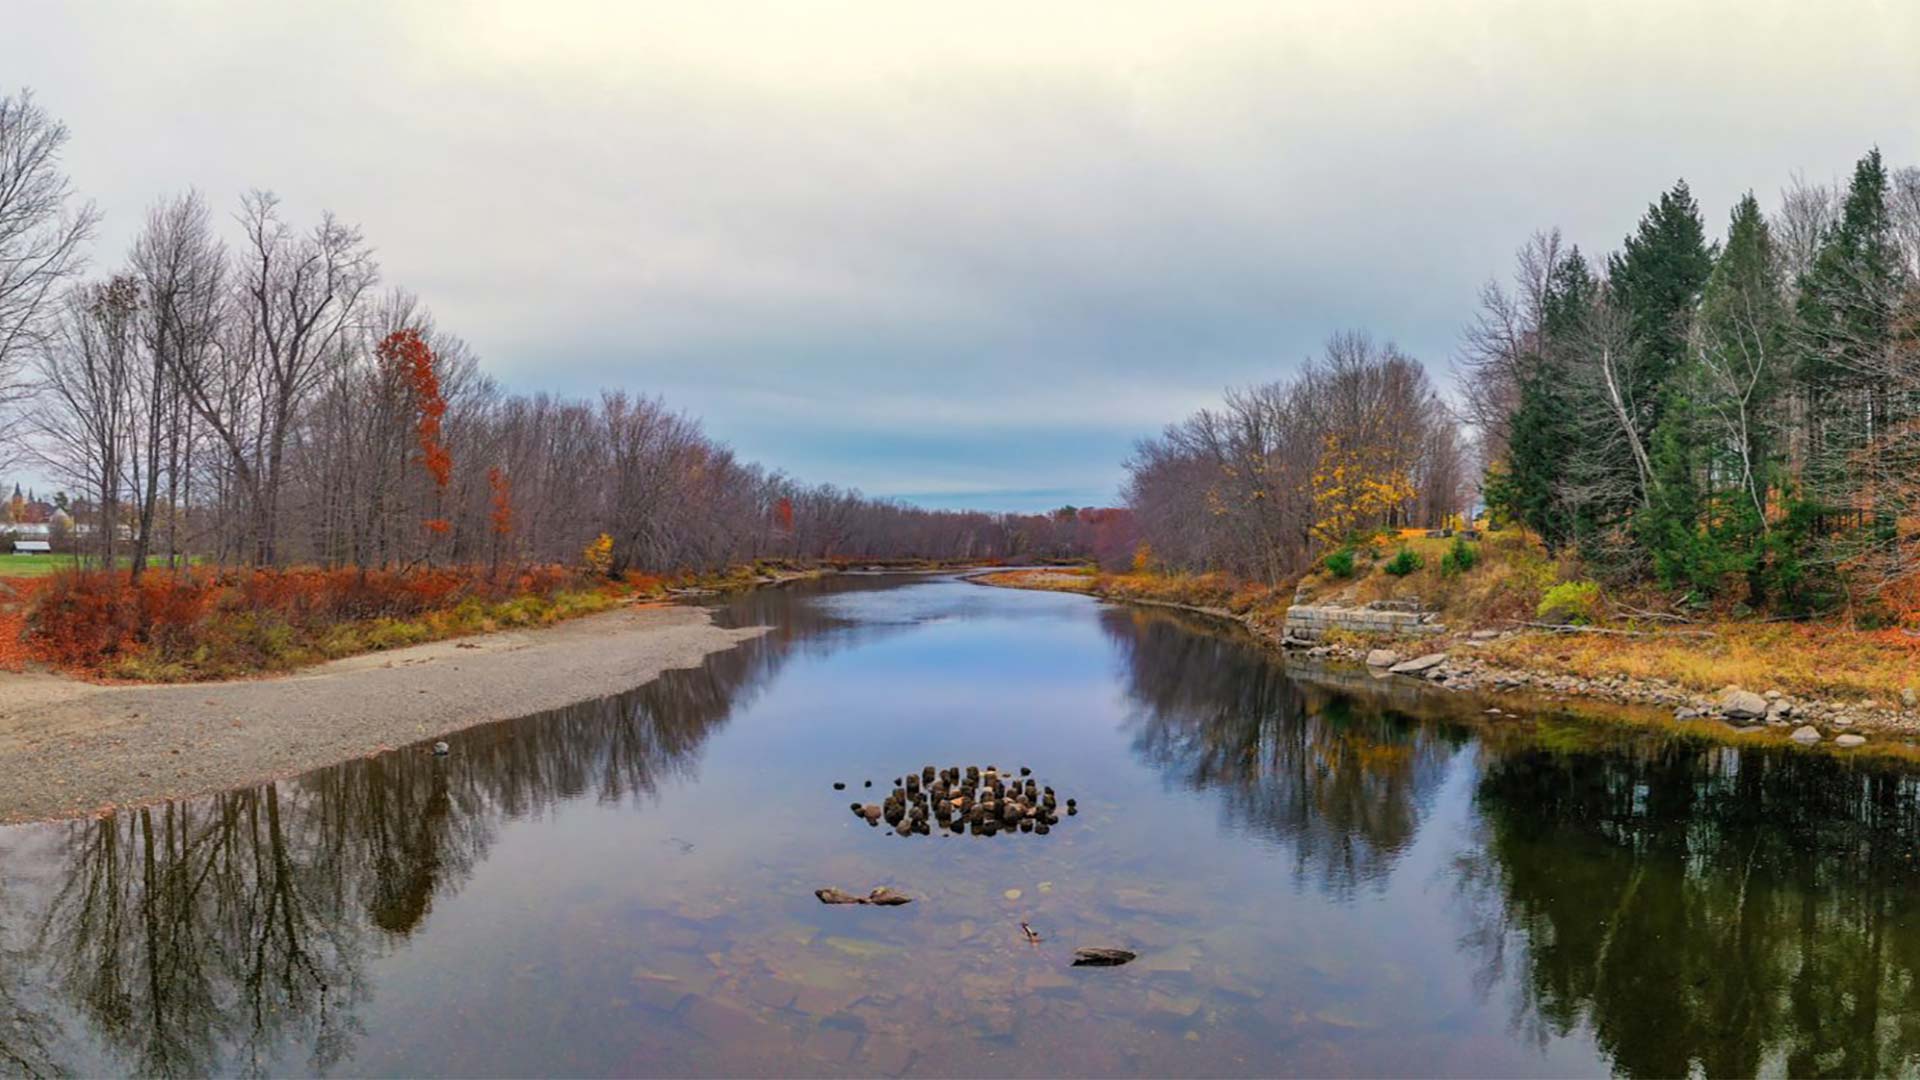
{"x": 880, "y": 897}
{"x": 1101, "y": 957}
{"x": 989, "y": 800}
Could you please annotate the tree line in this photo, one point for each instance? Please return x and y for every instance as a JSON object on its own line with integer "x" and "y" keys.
{"x": 248, "y": 393}
{"x": 1732, "y": 419}
{"x": 1280, "y": 473}
{"x": 1735, "y": 420}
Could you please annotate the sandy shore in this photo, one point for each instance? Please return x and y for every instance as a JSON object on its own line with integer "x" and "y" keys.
{"x": 69, "y": 748}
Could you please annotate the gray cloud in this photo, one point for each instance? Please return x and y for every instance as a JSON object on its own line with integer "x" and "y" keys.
{"x": 957, "y": 254}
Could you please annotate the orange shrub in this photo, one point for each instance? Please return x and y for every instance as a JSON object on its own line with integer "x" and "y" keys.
{"x": 85, "y": 619}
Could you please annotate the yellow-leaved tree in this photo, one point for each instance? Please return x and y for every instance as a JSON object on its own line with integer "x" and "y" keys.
{"x": 1351, "y": 489}
{"x": 598, "y": 554}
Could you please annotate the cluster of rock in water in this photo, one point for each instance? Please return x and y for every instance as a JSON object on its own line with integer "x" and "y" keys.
{"x": 981, "y": 801}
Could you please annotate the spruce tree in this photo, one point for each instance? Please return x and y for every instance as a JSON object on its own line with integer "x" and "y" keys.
{"x": 1844, "y": 321}
{"x": 1669, "y": 525}
{"x": 1531, "y": 487}
{"x": 1656, "y": 278}
{"x": 1740, "y": 368}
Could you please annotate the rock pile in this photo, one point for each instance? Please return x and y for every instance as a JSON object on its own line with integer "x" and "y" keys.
{"x": 976, "y": 800}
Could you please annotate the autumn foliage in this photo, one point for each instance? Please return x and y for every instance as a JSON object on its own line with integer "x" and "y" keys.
{"x": 412, "y": 360}
{"x": 501, "y": 495}
{"x": 226, "y": 621}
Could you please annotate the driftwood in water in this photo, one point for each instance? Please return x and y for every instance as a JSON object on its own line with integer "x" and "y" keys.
{"x": 880, "y": 897}
{"x": 1096, "y": 957}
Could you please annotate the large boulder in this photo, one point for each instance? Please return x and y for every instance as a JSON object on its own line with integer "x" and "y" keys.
{"x": 1382, "y": 658}
{"x": 1419, "y": 665}
{"x": 1738, "y": 704}
{"x": 1805, "y": 734}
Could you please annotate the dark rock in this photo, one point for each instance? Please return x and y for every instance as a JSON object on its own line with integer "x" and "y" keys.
{"x": 839, "y": 785}
{"x": 1101, "y": 957}
{"x": 880, "y": 897}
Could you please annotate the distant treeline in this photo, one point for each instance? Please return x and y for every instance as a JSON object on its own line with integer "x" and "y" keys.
{"x": 1281, "y": 473}
{"x": 1734, "y": 419}
{"x": 260, "y": 399}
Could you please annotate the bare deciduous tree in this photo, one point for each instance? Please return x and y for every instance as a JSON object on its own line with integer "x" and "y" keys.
{"x": 41, "y": 234}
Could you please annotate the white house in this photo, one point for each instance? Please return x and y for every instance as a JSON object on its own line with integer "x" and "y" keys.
{"x": 32, "y": 547}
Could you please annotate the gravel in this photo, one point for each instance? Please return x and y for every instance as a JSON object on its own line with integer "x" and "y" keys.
{"x": 69, "y": 748}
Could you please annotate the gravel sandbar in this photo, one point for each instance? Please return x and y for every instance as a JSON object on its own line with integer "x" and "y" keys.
{"x": 69, "y": 748}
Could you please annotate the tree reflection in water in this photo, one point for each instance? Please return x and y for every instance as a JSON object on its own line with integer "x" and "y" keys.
{"x": 1339, "y": 776}
{"x": 1700, "y": 908}
{"x": 215, "y": 935}
{"x": 1682, "y": 907}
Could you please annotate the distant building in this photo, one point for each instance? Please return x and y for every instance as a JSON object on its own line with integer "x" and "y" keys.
{"x": 32, "y": 547}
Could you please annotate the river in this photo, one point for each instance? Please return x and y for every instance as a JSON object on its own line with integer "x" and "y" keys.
{"x": 1321, "y": 874}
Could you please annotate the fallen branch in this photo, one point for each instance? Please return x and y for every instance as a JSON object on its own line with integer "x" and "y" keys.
{"x": 1638, "y": 613}
{"x": 1563, "y": 628}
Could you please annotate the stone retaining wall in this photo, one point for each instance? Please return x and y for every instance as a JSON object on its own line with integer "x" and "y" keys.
{"x": 1310, "y": 622}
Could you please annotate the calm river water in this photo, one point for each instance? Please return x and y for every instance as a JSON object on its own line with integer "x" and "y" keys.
{"x": 1321, "y": 874}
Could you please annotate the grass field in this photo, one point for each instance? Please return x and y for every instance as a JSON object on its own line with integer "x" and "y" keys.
{"x": 26, "y": 566}
{"x": 12, "y": 565}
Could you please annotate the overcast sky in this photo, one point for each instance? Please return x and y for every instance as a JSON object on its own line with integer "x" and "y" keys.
{"x": 959, "y": 253}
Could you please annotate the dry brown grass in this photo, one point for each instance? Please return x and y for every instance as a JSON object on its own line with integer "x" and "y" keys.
{"x": 1053, "y": 579}
{"x": 1505, "y": 584}
{"x": 1826, "y": 659}
{"x": 1808, "y": 659}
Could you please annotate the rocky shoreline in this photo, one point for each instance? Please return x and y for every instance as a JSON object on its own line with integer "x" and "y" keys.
{"x": 1804, "y": 720}
{"x": 1447, "y": 661}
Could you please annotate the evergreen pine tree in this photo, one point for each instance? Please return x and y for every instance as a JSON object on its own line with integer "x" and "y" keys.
{"x": 1669, "y": 524}
{"x": 1530, "y": 488}
{"x": 1656, "y": 278}
{"x": 1844, "y": 321}
{"x": 1740, "y": 367}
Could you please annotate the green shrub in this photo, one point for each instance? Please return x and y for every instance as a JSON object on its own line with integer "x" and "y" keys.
{"x": 1460, "y": 558}
{"x": 1340, "y": 563}
{"x": 1573, "y": 602}
{"x": 1404, "y": 562}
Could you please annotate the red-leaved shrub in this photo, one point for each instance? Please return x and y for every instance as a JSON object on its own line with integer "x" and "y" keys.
{"x": 84, "y": 619}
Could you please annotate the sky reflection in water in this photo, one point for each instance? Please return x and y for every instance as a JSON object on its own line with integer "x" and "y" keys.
{"x": 1321, "y": 874}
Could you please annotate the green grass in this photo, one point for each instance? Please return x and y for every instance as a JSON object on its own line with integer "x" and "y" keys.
{"x": 12, "y": 565}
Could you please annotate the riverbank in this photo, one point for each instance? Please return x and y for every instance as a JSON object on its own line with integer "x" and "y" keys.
{"x": 69, "y": 747}
{"x": 1816, "y": 684}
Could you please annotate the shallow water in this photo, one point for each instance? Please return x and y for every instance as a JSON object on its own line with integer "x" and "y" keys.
{"x": 1322, "y": 875}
